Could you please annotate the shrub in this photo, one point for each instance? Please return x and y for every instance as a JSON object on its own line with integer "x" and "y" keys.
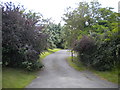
{"x": 85, "y": 47}
{"x": 28, "y": 65}
{"x": 101, "y": 53}
{"x": 23, "y": 39}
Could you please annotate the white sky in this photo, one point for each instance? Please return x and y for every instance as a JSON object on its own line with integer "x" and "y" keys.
{"x": 56, "y": 8}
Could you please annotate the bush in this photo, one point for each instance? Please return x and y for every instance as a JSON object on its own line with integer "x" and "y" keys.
{"x": 32, "y": 65}
{"x": 103, "y": 58}
{"x": 85, "y": 47}
{"x": 23, "y": 39}
{"x": 101, "y": 54}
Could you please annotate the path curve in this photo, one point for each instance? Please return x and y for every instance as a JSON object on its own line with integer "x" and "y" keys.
{"x": 58, "y": 74}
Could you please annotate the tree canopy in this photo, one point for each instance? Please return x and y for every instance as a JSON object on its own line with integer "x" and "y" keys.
{"x": 92, "y": 31}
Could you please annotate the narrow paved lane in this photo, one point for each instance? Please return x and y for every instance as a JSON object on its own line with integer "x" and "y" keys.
{"x": 58, "y": 74}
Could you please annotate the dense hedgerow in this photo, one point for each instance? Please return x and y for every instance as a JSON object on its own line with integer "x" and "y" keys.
{"x": 101, "y": 54}
{"x": 23, "y": 40}
{"x": 106, "y": 56}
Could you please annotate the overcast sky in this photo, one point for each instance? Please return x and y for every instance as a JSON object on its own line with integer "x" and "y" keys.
{"x": 56, "y": 8}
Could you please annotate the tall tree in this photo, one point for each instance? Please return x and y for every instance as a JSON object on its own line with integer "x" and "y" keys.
{"x": 55, "y": 35}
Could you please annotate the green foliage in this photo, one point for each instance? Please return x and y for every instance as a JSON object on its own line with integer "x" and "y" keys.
{"x": 55, "y": 35}
{"x": 87, "y": 18}
{"x": 107, "y": 50}
{"x": 92, "y": 31}
{"x": 102, "y": 53}
{"x": 32, "y": 65}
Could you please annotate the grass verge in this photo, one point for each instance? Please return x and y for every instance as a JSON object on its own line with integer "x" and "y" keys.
{"x": 75, "y": 64}
{"x": 111, "y": 76}
{"x": 46, "y": 53}
{"x": 16, "y": 78}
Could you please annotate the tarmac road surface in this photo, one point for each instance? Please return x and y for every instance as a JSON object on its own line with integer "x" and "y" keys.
{"x": 58, "y": 74}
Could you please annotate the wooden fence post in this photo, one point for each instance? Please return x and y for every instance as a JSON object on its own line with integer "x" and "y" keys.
{"x": 72, "y": 54}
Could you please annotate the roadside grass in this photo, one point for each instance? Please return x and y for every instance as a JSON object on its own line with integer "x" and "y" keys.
{"x": 48, "y": 52}
{"x": 111, "y": 76}
{"x": 17, "y": 78}
{"x": 42, "y": 56}
{"x": 76, "y": 64}
{"x": 54, "y": 50}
